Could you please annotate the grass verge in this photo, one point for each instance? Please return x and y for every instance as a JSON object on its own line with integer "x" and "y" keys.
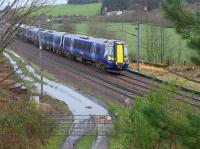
{"x": 85, "y": 142}
{"x": 28, "y": 126}
{"x": 44, "y": 73}
{"x": 61, "y": 127}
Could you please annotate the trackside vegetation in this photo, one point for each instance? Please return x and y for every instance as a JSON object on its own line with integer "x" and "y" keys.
{"x": 158, "y": 44}
{"x": 156, "y": 121}
{"x": 61, "y": 125}
{"x": 21, "y": 126}
{"x": 25, "y": 124}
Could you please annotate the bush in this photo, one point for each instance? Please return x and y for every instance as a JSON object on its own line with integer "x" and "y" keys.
{"x": 21, "y": 126}
{"x": 156, "y": 121}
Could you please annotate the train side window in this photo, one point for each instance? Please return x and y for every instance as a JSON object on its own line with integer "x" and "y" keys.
{"x": 125, "y": 51}
{"x": 78, "y": 45}
{"x": 45, "y": 37}
{"x": 84, "y": 47}
{"x": 98, "y": 50}
{"x": 89, "y": 47}
{"x": 66, "y": 42}
{"x": 51, "y": 39}
{"x": 57, "y": 40}
{"x": 48, "y": 38}
{"x": 75, "y": 44}
{"x": 110, "y": 51}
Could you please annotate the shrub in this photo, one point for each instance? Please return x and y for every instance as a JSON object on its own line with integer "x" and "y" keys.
{"x": 21, "y": 126}
{"x": 156, "y": 121}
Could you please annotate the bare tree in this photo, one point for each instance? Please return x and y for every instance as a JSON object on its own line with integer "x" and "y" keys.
{"x": 159, "y": 45}
{"x": 13, "y": 13}
{"x": 180, "y": 52}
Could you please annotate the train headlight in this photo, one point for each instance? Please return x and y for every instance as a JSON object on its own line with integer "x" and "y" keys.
{"x": 110, "y": 58}
{"x": 126, "y": 58}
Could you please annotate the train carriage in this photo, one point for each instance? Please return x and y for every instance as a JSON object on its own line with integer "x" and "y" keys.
{"x": 31, "y": 34}
{"x": 58, "y": 42}
{"x": 47, "y": 38}
{"x": 111, "y": 55}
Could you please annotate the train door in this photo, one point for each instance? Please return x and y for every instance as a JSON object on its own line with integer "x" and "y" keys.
{"x": 119, "y": 52}
{"x": 71, "y": 45}
{"x": 93, "y": 54}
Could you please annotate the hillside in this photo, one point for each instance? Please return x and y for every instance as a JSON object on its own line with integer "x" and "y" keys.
{"x": 70, "y": 10}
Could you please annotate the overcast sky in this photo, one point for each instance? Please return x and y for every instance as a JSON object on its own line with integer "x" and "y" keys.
{"x": 53, "y": 1}
{"x": 61, "y": 1}
{"x": 56, "y": 2}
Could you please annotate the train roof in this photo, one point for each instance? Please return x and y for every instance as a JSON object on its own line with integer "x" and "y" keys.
{"x": 90, "y": 38}
{"x": 76, "y": 36}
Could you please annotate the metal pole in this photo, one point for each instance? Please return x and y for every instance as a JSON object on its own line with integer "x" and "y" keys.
{"x": 138, "y": 45}
{"x": 41, "y": 67}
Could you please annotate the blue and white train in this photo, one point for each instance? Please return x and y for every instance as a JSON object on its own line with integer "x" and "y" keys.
{"x": 111, "y": 55}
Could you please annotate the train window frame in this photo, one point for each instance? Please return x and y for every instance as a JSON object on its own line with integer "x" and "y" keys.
{"x": 57, "y": 40}
{"x": 51, "y": 38}
{"x": 75, "y": 44}
{"x": 90, "y": 47}
{"x": 79, "y": 46}
{"x": 110, "y": 50}
{"x": 98, "y": 49}
{"x": 84, "y": 46}
{"x": 67, "y": 42}
{"x": 125, "y": 51}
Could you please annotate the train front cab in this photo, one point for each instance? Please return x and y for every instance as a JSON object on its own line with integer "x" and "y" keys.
{"x": 117, "y": 58}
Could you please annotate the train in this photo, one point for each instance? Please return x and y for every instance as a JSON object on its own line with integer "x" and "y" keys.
{"x": 107, "y": 54}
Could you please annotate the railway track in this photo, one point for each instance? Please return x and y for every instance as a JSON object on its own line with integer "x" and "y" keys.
{"x": 135, "y": 86}
{"x": 94, "y": 77}
{"x": 184, "y": 96}
{"x": 127, "y": 84}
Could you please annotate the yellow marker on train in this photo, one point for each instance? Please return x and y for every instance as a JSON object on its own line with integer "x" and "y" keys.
{"x": 120, "y": 53}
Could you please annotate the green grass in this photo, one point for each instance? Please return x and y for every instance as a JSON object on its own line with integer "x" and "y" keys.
{"x": 28, "y": 84}
{"x": 21, "y": 65}
{"x": 120, "y": 30}
{"x": 71, "y": 10}
{"x": 44, "y": 73}
{"x": 57, "y": 138}
{"x": 85, "y": 142}
{"x": 60, "y": 131}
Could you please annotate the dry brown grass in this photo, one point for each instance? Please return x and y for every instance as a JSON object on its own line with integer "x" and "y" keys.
{"x": 166, "y": 75}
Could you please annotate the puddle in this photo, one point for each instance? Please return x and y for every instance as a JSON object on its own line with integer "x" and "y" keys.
{"x": 77, "y": 103}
